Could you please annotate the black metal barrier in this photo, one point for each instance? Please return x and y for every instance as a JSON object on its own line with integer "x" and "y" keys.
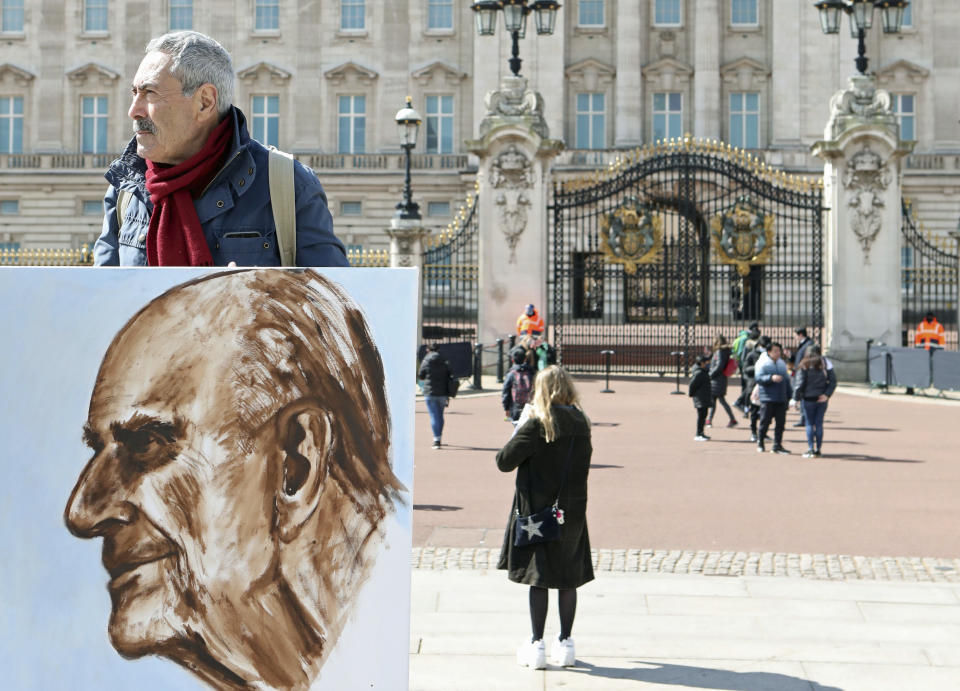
{"x": 607, "y": 355}
{"x": 477, "y": 366}
{"x": 500, "y": 360}
{"x": 679, "y": 354}
{"x": 457, "y": 354}
{"x": 913, "y": 367}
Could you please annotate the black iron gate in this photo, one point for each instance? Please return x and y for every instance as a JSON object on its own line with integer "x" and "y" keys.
{"x": 680, "y": 242}
{"x": 450, "y": 289}
{"x": 929, "y": 271}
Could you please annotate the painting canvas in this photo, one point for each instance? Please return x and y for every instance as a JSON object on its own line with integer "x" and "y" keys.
{"x": 208, "y": 478}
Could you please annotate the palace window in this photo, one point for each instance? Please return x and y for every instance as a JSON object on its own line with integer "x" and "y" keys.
{"x": 667, "y": 115}
{"x": 591, "y": 121}
{"x": 95, "y": 16}
{"x": 12, "y": 21}
{"x": 590, "y": 13}
{"x": 352, "y": 15}
{"x": 265, "y": 114}
{"x": 93, "y": 124}
{"x": 743, "y": 12}
{"x": 439, "y": 120}
{"x": 904, "y": 107}
{"x": 267, "y": 15}
{"x": 745, "y": 120}
{"x": 181, "y": 15}
{"x": 667, "y": 13}
{"x": 11, "y": 125}
{"x": 351, "y": 124}
{"x": 440, "y": 14}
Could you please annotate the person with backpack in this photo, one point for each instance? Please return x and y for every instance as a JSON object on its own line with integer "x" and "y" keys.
{"x": 699, "y": 391}
{"x": 741, "y": 347}
{"x": 517, "y": 385}
{"x": 721, "y": 367}
{"x": 439, "y": 384}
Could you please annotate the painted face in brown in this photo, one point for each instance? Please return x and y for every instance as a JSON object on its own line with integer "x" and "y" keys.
{"x": 184, "y": 512}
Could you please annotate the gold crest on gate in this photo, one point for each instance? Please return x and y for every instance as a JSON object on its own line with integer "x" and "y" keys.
{"x": 743, "y": 236}
{"x": 631, "y": 235}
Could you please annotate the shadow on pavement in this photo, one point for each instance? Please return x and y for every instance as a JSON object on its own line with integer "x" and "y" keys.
{"x": 461, "y": 447}
{"x": 601, "y": 466}
{"x": 865, "y": 457}
{"x": 604, "y": 424}
{"x": 436, "y": 507}
{"x": 703, "y": 677}
{"x": 862, "y": 429}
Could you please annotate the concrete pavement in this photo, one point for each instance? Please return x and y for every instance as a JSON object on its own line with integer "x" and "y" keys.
{"x": 752, "y": 584}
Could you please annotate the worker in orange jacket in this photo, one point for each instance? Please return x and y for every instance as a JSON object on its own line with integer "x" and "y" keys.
{"x": 530, "y": 323}
{"x": 930, "y": 331}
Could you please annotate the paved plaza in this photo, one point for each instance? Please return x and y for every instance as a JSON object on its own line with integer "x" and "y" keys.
{"x": 717, "y": 567}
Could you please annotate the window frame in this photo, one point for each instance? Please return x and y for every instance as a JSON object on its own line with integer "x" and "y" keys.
{"x": 428, "y": 16}
{"x": 442, "y": 119}
{"x": 362, "y": 29}
{"x": 4, "y": 207}
{"x": 351, "y": 117}
{"x": 85, "y": 18}
{"x": 745, "y": 25}
{"x": 432, "y": 204}
{"x": 908, "y": 12}
{"x": 266, "y": 5}
{"x": 667, "y": 112}
{"x": 667, "y": 25}
{"x": 603, "y": 15}
{"x": 265, "y": 117}
{"x": 744, "y": 113}
{"x": 99, "y": 120}
{"x": 12, "y": 117}
{"x": 181, "y": 6}
{"x": 351, "y": 214}
{"x": 899, "y": 112}
{"x": 591, "y": 116}
{"x": 4, "y": 11}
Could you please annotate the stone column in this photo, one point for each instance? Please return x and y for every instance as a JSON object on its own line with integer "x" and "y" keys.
{"x": 708, "y": 23}
{"x": 514, "y": 180}
{"x": 406, "y": 250}
{"x": 628, "y": 123}
{"x": 862, "y": 153}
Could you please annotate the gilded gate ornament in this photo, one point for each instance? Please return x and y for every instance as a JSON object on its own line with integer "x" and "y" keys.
{"x": 631, "y": 235}
{"x": 743, "y": 236}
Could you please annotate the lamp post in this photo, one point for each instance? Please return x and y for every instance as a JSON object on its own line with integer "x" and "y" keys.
{"x": 515, "y": 21}
{"x": 408, "y": 124}
{"x": 860, "y": 13}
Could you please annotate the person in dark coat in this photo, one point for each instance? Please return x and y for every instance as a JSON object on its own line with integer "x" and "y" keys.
{"x": 551, "y": 454}
{"x": 699, "y": 391}
{"x": 796, "y": 357}
{"x": 816, "y": 382}
{"x": 435, "y": 374}
{"x": 750, "y": 378}
{"x": 718, "y": 380}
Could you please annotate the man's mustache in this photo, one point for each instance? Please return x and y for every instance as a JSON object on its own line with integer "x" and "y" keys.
{"x": 144, "y": 125}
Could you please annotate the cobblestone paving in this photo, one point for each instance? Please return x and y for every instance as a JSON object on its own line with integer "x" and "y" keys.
{"x": 817, "y": 566}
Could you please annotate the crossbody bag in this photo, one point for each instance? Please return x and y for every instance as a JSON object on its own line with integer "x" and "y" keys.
{"x": 544, "y": 525}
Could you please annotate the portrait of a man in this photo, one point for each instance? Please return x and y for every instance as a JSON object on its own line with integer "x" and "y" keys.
{"x": 239, "y": 475}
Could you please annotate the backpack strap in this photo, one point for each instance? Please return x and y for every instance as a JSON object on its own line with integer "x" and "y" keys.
{"x": 284, "y": 203}
{"x": 123, "y": 201}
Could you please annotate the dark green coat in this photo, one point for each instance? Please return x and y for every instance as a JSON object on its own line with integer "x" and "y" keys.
{"x": 563, "y": 563}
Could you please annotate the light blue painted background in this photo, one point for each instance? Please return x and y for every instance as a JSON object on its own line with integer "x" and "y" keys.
{"x": 57, "y": 323}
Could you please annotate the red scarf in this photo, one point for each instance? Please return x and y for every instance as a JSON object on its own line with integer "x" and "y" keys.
{"x": 176, "y": 237}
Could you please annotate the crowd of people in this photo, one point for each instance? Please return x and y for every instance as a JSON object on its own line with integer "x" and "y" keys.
{"x": 771, "y": 380}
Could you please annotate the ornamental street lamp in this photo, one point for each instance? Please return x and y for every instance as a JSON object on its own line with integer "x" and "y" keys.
{"x": 860, "y": 13}
{"x": 515, "y": 21}
{"x": 408, "y": 124}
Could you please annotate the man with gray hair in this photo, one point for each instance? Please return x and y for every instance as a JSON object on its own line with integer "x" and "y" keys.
{"x": 192, "y": 187}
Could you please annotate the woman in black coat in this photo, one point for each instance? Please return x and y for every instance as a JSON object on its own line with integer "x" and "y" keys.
{"x": 435, "y": 373}
{"x": 718, "y": 379}
{"x": 551, "y": 453}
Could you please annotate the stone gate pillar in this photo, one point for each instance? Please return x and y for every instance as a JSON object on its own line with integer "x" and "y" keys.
{"x": 862, "y": 151}
{"x": 514, "y": 182}
{"x": 406, "y": 250}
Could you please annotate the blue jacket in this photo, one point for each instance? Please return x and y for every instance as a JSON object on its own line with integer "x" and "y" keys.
{"x": 234, "y": 211}
{"x": 771, "y": 391}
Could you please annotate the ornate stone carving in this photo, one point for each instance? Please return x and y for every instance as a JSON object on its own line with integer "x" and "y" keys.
{"x": 865, "y": 180}
{"x": 512, "y": 175}
{"x": 861, "y": 103}
{"x": 514, "y": 100}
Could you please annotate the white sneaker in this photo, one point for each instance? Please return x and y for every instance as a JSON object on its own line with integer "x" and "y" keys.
{"x": 532, "y": 655}
{"x": 701, "y": 437}
{"x": 562, "y": 653}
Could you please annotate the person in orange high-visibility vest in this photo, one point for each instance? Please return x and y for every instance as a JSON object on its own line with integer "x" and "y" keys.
{"x": 530, "y": 323}
{"x": 930, "y": 331}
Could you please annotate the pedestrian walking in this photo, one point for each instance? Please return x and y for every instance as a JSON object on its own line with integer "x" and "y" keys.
{"x": 518, "y": 384}
{"x": 551, "y": 454}
{"x": 699, "y": 391}
{"x": 816, "y": 382}
{"x": 775, "y": 390}
{"x": 439, "y": 384}
{"x": 803, "y": 342}
{"x": 721, "y": 367}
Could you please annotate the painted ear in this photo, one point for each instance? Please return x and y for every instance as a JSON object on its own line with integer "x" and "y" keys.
{"x": 307, "y": 438}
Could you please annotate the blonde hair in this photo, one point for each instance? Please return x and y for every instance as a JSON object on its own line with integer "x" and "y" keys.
{"x": 553, "y": 386}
